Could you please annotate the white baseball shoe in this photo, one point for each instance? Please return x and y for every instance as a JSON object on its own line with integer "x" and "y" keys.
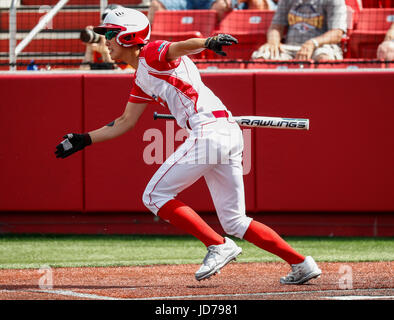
{"x": 302, "y": 272}
{"x": 217, "y": 257}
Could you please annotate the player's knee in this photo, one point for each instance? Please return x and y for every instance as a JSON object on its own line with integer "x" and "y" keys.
{"x": 145, "y": 199}
{"x": 148, "y": 199}
{"x": 236, "y": 227}
{"x": 154, "y": 200}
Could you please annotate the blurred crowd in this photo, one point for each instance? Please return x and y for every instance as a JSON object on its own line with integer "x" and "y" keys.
{"x": 299, "y": 30}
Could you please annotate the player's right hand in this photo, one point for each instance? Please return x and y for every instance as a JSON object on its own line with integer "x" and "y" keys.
{"x": 217, "y": 42}
{"x": 72, "y": 143}
{"x": 268, "y": 51}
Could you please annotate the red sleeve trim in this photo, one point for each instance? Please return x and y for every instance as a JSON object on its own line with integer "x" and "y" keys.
{"x": 139, "y": 96}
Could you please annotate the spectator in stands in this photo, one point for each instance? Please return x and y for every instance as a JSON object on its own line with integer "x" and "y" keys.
{"x": 221, "y": 6}
{"x": 97, "y": 55}
{"x": 314, "y": 31}
{"x": 255, "y": 4}
{"x": 386, "y": 48}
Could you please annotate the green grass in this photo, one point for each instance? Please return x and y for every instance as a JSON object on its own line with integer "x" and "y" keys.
{"x": 33, "y": 251}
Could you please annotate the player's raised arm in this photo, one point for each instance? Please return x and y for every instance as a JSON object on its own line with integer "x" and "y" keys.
{"x": 196, "y": 45}
{"x": 75, "y": 142}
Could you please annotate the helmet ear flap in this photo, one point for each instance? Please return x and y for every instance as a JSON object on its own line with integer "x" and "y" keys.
{"x": 129, "y": 36}
{"x": 126, "y": 40}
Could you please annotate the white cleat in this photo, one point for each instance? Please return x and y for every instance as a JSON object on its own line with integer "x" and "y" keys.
{"x": 302, "y": 272}
{"x": 217, "y": 257}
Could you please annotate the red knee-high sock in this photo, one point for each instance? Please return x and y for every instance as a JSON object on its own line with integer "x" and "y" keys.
{"x": 266, "y": 238}
{"x": 185, "y": 218}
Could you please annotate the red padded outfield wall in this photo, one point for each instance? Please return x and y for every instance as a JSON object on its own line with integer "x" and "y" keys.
{"x": 346, "y": 161}
{"x": 34, "y": 112}
{"x": 342, "y": 166}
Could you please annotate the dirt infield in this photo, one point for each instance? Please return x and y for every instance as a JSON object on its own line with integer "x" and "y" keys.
{"x": 237, "y": 281}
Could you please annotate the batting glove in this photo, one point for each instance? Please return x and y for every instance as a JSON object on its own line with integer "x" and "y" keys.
{"x": 73, "y": 142}
{"x": 215, "y": 43}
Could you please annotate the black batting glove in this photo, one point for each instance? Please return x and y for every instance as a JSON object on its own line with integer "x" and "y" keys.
{"x": 217, "y": 42}
{"x": 73, "y": 142}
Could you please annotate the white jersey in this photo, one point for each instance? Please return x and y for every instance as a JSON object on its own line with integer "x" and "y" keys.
{"x": 176, "y": 85}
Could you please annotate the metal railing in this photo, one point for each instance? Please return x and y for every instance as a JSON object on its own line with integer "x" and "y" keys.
{"x": 15, "y": 50}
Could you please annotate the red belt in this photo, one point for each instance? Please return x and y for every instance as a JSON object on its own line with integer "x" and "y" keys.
{"x": 220, "y": 114}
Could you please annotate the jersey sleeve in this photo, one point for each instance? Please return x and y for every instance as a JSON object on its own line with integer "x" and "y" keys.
{"x": 137, "y": 95}
{"x": 155, "y": 55}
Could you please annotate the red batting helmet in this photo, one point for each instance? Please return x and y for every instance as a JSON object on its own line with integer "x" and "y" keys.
{"x": 133, "y": 26}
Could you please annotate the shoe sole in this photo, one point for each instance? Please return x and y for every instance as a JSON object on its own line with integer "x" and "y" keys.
{"x": 310, "y": 276}
{"x": 217, "y": 269}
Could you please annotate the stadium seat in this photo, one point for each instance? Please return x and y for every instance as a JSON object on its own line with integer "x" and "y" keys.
{"x": 370, "y": 32}
{"x": 180, "y": 25}
{"x": 378, "y": 3}
{"x": 64, "y": 20}
{"x": 249, "y": 27}
{"x": 59, "y": 45}
{"x": 183, "y": 24}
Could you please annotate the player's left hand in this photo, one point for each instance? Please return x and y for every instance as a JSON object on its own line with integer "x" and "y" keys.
{"x": 73, "y": 142}
{"x": 217, "y": 42}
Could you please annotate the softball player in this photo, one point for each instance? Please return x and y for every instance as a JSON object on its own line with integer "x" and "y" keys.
{"x": 165, "y": 74}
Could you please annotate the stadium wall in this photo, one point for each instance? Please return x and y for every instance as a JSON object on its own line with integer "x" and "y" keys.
{"x": 335, "y": 179}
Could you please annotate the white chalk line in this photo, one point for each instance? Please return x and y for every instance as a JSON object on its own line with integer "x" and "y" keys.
{"x": 254, "y": 294}
{"x": 262, "y": 294}
{"x": 359, "y": 297}
{"x": 69, "y": 293}
{"x": 75, "y": 294}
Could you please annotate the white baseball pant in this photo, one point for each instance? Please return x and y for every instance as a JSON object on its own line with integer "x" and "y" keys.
{"x": 213, "y": 150}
